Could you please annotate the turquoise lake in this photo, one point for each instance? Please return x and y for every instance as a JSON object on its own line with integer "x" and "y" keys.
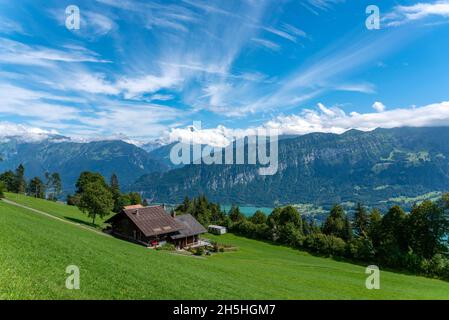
{"x": 248, "y": 211}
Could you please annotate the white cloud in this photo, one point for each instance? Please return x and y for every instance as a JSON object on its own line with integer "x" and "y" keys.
{"x": 161, "y": 97}
{"x": 92, "y": 83}
{"x": 27, "y": 133}
{"x": 379, "y": 106}
{"x": 135, "y": 87}
{"x": 404, "y": 14}
{"x": 82, "y": 80}
{"x": 329, "y": 120}
{"x": 337, "y": 121}
{"x": 98, "y": 24}
{"x": 138, "y": 122}
{"x": 218, "y": 137}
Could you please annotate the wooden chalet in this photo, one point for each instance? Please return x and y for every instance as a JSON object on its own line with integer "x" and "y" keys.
{"x": 152, "y": 226}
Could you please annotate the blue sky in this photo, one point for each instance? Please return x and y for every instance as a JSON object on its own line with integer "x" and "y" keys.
{"x": 146, "y": 69}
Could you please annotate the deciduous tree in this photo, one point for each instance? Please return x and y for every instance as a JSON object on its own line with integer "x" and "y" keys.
{"x": 96, "y": 200}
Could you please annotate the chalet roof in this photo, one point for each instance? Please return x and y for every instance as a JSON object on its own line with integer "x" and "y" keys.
{"x": 190, "y": 226}
{"x": 153, "y": 220}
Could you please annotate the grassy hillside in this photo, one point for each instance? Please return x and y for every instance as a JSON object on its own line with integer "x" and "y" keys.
{"x": 56, "y": 209}
{"x": 35, "y": 250}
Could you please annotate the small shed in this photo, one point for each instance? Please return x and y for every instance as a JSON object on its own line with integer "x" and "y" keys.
{"x": 217, "y": 229}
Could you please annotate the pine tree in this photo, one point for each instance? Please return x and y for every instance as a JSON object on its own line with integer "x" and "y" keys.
{"x": 393, "y": 234}
{"x": 53, "y": 185}
{"x": 36, "y": 188}
{"x": 114, "y": 184}
{"x": 56, "y": 184}
{"x": 20, "y": 183}
{"x": 2, "y": 189}
{"x": 347, "y": 233}
{"x": 361, "y": 221}
{"x": 374, "y": 229}
{"x": 259, "y": 218}
{"x": 135, "y": 198}
{"x": 9, "y": 180}
{"x": 116, "y": 195}
{"x": 337, "y": 224}
{"x": 235, "y": 214}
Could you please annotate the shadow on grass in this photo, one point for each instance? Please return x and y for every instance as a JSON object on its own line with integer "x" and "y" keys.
{"x": 89, "y": 224}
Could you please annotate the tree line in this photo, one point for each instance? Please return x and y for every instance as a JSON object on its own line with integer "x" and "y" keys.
{"x": 97, "y": 198}
{"x": 48, "y": 188}
{"x": 416, "y": 242}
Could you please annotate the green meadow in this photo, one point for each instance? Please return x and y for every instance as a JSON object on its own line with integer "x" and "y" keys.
{"x": 35, "y": 251}
{"x": 56, "y": 209}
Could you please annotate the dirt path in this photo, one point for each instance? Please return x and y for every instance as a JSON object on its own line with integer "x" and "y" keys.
{"x": 54, "y": 217}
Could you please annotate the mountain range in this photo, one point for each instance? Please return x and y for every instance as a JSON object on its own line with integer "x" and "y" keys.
{"x": 377, "y": 168}
{"x": 373, "y": 167}
{"x": 59, "y": 154}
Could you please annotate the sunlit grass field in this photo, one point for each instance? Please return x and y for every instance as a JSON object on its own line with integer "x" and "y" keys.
{"x": 57, "y": 209}
{"x": 35, "y": 251}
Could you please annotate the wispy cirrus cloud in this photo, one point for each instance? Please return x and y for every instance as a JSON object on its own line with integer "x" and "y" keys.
{"x": 287, "y": 32}
{"x": 15, "y": 52}
{"x": 28, "y": 103}
{"x": 315, "y": 6}
{"x": 155, "y": 62}
{"x": 326, "y": 71}
{"x": 9, "y": 26}
{"x": 54, "y": 111}
{"x": 267, "y": 44}
{"x": 130, "y": 87}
